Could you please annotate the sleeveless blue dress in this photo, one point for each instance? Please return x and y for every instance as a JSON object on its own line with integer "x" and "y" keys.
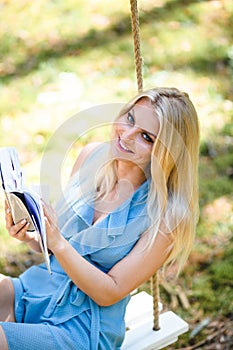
{"x": 51, "y": 311}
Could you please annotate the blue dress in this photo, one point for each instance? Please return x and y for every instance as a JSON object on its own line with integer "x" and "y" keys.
{"x": 51, "y": 311}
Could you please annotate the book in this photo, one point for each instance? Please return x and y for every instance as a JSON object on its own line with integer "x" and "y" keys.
{"x": 24, "y": 203}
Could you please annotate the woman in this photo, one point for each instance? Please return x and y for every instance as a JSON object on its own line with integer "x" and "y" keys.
{"x": 127, "y": 211}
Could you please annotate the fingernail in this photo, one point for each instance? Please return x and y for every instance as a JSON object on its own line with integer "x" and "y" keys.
{"x": 23, "y": 221}
{"x": 8, "y": 210}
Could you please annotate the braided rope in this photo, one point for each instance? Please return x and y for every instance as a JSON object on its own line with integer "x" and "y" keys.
{"x": 136, "y": 39}
{"x": 155, "y": 294}
{"x": 138, "y": 66}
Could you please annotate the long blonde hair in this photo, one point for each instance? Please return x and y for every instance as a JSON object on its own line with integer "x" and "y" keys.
{"x": 173, "y": 194}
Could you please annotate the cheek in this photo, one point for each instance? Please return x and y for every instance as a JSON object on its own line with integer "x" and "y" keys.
{"x": 115, "y": 131}
{"x": 144, "y": 150}
{"x": 143, "y": 146}
{"x": 117, "y": 128}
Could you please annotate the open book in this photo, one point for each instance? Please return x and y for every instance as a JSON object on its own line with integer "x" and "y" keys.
{"x": 24, "y": 203}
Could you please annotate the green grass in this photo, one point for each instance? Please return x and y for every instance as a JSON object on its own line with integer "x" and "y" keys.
{"x": 59, "y": 58}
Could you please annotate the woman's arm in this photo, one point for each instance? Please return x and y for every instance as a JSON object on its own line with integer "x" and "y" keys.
{"x": 125, "y": 276}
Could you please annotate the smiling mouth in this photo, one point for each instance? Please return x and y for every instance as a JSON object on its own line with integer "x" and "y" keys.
{"x": 123, "y": 147}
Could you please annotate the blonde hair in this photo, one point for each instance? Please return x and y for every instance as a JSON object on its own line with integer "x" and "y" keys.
{"x": 173, "y": 195}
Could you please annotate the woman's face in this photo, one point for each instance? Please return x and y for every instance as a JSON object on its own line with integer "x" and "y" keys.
{"x": 134, "y": 134}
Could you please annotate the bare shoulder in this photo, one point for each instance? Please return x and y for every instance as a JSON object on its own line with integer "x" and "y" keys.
{"x": 86, "y": 150}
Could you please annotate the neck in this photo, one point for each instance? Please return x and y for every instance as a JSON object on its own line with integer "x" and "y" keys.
{"x": 130, "y": 173}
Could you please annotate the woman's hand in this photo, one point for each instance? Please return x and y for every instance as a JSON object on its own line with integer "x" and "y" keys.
{"x": 54, "y": 238}
{"x": 19, "y": 230}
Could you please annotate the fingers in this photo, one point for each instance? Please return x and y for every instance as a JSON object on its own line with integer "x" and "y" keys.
{"x": 8, "y": 210}
{"x": 18, "y": 230}
{"x": 8, "y": 216}
{"x": 50, "y": 213}
{"x": 47, "y": 216}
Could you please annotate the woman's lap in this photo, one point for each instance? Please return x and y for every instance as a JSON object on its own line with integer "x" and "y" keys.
{"x": 28, "y": 336}
{"x": 36, "y": 334}
{"x": 41, "y": 337}
{"x": 36, "y": 337}
{"x": 71, "y": 335}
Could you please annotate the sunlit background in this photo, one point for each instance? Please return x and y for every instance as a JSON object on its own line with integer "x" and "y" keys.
{"x": 58, "y": 58}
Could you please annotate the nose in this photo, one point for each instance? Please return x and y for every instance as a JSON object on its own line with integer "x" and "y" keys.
{"x": 129, "y": 133}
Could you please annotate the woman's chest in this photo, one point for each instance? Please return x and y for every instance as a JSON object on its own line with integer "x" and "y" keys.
{"x": 108, "y": 204}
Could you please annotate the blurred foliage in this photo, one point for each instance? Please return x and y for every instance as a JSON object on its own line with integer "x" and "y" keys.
{"x": 60, "y": 57}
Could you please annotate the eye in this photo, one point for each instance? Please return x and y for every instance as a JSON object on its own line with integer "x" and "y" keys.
{"x": 147, "y": 138}
{"x": 130, "y": 118}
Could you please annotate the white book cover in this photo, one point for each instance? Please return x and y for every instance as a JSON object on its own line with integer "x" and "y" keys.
{"x": 24, "y": 203}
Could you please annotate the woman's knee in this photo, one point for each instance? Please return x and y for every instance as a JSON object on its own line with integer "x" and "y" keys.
{"x": 3, "y": 341}
{"x": 6, "y": 300}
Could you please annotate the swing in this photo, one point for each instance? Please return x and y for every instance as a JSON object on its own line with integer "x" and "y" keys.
{"x": 147, "y": 329}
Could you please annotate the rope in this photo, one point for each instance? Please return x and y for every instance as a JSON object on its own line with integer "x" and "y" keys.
{"x": 138, "y": 66}
{"x": 155, "y": 294}
{"x": 136, "y": 39}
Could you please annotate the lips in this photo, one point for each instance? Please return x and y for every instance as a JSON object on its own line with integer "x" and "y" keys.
{"x": 123, "y": 147}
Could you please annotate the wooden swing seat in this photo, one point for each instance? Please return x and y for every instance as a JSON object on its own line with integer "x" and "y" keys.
{"x": 139, "y": 323}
